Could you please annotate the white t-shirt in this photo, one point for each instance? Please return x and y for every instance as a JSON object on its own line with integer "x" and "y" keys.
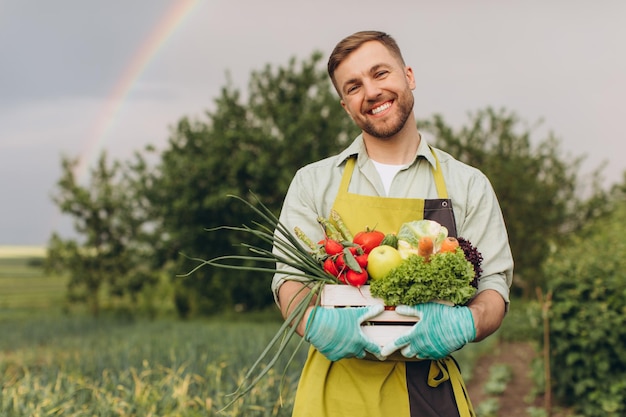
{"x": 387, "y": 173}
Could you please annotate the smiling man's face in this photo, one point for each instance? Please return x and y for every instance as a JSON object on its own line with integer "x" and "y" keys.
{"x": 375, "y": 90}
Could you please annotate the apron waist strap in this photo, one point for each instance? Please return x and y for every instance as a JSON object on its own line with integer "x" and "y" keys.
{"x": 447, "y": 369}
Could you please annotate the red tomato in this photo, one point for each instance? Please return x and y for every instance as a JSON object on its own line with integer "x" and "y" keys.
{"x": 356, "y": 278}
{"x": 368, "y": 239}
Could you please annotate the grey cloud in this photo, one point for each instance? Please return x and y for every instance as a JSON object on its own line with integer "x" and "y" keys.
{"x": 70, "y": 47}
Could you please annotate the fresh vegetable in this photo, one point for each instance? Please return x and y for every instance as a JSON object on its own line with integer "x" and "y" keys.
{"x": 330, "y": 230}
{"x": 340, "y": 261}
{"x": 446, "y": 277}
{"x": 304, "y": 238}
{"x": 390, "y": 240}
{"x": 411, "y": 232}
{"x": 425, "y": 247}
{"x": 435, "y": 266}
{"x": 331, "y": 267}
{"x": 474, "y": 257}
{"x": 405, "y": 249}
{"x": 341, "y": 226}
{"x": 332, "y": 247}
{"x": 368, "y": 239}
{"x": 356, "y": 279}
{"x": 339, "y": 256}
{"x": 362, "y": 259}
{"x": 449, "y": 244}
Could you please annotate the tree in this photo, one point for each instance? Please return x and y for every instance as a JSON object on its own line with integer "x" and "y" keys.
{"x": 291, "y": 117}
{"x": 106, "y": 218}
{"x": 541, "y": 193}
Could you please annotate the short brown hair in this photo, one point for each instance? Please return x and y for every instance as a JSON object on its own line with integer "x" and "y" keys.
{"x": 351, "y": 43}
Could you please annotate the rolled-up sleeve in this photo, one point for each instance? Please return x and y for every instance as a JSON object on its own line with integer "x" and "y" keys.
{"x": 483, "y": 225}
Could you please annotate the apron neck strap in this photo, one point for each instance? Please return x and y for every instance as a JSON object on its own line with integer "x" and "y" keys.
{"x": 442, "y": 191}
{"x": 347, "y": 174}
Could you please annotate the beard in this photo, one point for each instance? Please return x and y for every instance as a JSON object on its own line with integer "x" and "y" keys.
{"x": 405, "y": 104}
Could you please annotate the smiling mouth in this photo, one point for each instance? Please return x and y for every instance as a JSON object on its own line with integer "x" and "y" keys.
{"x": 380, "y": 108}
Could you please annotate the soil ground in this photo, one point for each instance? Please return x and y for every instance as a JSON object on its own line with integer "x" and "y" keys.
{"x": 519, "y": 394}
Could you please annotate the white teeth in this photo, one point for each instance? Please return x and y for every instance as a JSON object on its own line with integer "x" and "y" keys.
{"x": 381, "y": 108}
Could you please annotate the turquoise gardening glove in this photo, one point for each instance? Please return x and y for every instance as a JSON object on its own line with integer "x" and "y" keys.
{"x": 337, "y": 334}
{"x": 441, "y": 330}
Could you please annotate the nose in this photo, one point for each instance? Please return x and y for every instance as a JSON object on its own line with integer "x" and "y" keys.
{"x": 371, "y": 89}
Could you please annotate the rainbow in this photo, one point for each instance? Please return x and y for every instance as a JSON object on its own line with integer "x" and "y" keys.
{"x": 163, "y": 30}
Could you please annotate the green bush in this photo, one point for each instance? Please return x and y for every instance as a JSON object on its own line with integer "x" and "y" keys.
{"x": 588, "y": 319}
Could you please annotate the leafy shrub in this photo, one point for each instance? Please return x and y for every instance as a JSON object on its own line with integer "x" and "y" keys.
{"x": 499, "y": 377}
{"x": 588, "y": 319}
{"x": 488, "y": 408}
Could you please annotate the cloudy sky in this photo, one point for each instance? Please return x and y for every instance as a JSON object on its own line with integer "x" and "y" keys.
{"x": 78, "y": 77}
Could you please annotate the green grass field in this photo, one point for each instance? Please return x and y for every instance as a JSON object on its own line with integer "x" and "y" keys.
{"x": 24, "y": 287}
{"x": 52, "y": 364}
{"x": 76, "y": 365}
{"x": 81, "y": 366}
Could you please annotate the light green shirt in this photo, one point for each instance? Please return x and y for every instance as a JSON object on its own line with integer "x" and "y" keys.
{"x": 477, "y": 213}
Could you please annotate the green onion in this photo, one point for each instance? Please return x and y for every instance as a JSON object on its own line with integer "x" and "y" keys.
{"x": 289, "y": 252}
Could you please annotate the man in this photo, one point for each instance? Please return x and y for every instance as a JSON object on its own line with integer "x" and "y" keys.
{"x": 390, "y": 175}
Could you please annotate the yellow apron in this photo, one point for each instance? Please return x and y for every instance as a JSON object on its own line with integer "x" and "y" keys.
{"x": 369, "y": 388}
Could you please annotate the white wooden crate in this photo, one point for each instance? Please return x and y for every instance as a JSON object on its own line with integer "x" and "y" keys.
{"x": 383, "y": 328}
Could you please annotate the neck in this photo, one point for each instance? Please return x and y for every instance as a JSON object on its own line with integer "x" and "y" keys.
{"x": 396, "y": 150}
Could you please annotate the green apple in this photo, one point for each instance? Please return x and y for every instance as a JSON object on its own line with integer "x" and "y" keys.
{"x": 381, "y": 260}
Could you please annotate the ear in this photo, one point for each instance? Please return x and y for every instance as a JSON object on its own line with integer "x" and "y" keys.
{"x": 343, "y": 104}
{"x": 410, "y": 77}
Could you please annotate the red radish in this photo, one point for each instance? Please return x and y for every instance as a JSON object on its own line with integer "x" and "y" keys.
{"x": 330, "y": 267}
{"x": 356, "y": 278}
{"x": 362, "y": 260}
{"x": 340, "y": 262}
{"x": 332, "y": 247}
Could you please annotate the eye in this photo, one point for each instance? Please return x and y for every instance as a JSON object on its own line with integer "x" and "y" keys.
{"x": 352, "y": 88}
{"x": 381, "y": 74}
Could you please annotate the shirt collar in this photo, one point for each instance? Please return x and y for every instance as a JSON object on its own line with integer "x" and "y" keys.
{"x": 357, "y": 147}
{"x": 425, "y": 150}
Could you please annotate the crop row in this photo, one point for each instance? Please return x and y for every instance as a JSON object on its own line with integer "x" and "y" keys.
{"x": 75, "y": 367}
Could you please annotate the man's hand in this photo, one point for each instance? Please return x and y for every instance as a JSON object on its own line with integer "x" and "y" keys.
{"x": 441, "y": 330}
{"x": 337, "y": 334}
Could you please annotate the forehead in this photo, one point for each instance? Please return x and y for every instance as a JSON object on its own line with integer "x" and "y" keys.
{"x": 363, "y": 59}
